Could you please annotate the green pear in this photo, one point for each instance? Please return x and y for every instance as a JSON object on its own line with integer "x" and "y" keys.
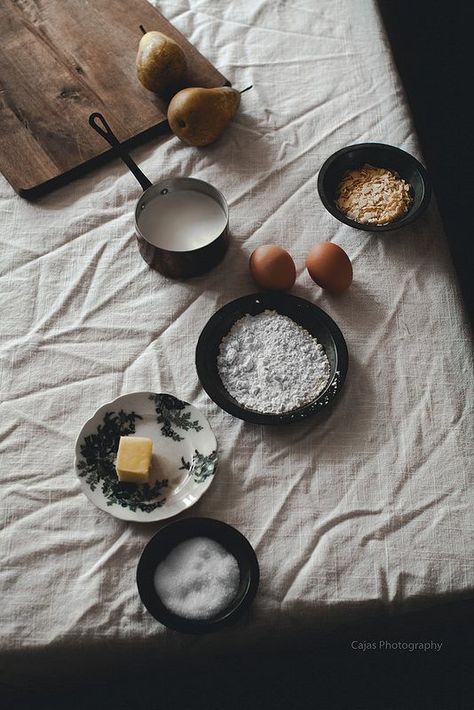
{"x": 199, "y": 116}
{"x": 161, "y": 63}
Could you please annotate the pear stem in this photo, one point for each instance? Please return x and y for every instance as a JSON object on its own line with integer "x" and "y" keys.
{"x": 143, "y": 29}
{"x": 246, "y": 89}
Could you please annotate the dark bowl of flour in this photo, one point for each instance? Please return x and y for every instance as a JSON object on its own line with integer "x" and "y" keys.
{"x": 272, "y": 358}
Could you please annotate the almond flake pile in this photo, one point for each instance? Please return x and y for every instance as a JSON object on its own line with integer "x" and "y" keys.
{"x": 373, "y": 195}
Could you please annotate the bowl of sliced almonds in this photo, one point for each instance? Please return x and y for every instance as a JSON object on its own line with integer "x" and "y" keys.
{"x": 374, "y": 187}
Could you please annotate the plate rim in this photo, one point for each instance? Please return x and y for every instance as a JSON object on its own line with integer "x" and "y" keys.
{"x": 85, "y": 489}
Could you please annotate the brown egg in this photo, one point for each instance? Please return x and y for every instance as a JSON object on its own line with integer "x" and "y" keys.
{"x": 330, "y": 267}
{"x": 272, "y": 268}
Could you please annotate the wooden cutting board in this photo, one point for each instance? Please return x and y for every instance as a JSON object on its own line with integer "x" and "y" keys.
{"x": 60, "y": 60}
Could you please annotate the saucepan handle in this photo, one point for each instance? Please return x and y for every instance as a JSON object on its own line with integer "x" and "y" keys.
{"x": 100, "y": 125}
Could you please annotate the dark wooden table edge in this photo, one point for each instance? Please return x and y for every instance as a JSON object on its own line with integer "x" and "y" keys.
{"x": 431, "y": 46}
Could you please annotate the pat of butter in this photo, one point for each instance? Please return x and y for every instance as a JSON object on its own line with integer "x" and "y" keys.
{"x": 134, "y": 459}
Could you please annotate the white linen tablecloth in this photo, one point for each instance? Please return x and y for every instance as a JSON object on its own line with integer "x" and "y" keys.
{"x": 372, "y": 504}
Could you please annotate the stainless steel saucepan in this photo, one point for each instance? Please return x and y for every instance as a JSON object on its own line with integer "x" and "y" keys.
{"x": 181, "y": 224}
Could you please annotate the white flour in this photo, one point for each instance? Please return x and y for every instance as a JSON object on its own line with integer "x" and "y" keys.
{"x": 271, "y": 364}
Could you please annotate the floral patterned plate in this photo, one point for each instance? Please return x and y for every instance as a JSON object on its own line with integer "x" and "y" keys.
{"x": 183, "y": 465}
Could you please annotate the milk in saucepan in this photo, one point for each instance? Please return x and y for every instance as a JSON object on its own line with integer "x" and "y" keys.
{"x": 182, "y": 220}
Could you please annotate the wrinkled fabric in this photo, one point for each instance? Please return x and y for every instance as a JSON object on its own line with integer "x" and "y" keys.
{"x": 370, "y": 504}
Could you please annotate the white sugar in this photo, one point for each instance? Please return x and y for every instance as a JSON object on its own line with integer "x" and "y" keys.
{"x": 271, "y": 364}
{"x": 198, "y": 579}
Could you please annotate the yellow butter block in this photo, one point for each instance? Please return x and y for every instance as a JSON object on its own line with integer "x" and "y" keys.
{"x": 134, "y": 459}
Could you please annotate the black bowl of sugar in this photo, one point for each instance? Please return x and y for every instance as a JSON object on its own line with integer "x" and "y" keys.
{"x": 197, "y": 575}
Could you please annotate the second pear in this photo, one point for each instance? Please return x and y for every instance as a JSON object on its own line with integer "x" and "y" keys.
{"x": 199, "y": 116}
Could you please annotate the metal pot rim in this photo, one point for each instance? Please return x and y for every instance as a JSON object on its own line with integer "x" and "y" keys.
{"x": 173, "y": 184}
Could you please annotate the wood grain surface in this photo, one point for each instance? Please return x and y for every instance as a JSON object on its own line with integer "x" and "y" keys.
{"x": 60, "y": 60}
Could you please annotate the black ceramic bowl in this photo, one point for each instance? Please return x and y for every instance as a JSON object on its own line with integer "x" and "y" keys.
{"x": 171, "y": 535}
{"x": 381, "y": 156}
{"x": 306, "y": 314}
